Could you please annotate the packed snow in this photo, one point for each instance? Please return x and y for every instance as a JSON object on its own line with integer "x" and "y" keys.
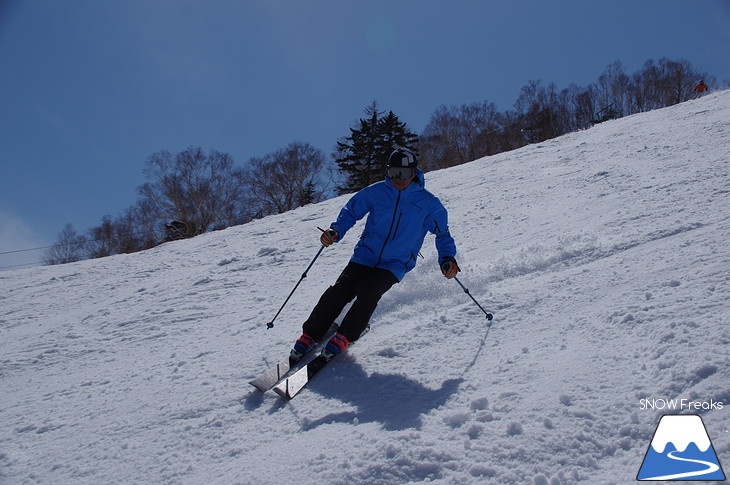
{"x": 603, "y": 255}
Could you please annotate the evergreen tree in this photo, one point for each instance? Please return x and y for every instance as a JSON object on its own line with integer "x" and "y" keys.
{"x": 308, "y": 194}
{"x": 363, "y": 156}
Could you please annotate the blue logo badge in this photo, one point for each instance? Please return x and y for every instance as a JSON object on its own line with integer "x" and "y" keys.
{"x": 681, "y": 450}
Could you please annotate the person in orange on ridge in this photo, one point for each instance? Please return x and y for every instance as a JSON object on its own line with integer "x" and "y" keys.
{"x": 701, "y": 88}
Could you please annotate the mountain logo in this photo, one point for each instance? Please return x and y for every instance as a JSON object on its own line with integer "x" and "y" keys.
{"x": 681, "y": 450}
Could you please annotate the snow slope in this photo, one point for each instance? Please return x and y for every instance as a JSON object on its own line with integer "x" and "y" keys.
{"x": 603, "y": 254}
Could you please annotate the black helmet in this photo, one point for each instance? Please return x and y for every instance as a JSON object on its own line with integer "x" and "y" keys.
{"x": 403, "y": 157}
{"x": 402, "y": 164}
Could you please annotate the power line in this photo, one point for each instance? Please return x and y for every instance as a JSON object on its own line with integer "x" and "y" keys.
{"x": 21, "y": 265}
{"x": 80, "y": 242}
{"x": 32, "y": 249}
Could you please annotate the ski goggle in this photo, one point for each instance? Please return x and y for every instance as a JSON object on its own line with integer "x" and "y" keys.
{"x": 401, "y": 173}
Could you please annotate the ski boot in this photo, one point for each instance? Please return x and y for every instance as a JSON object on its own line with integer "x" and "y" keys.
{"x": 335, "y": 346}
{"x": 302, "y": 347}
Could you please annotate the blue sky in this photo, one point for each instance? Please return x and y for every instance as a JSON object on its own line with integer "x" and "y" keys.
{"x": 89, "y": 88}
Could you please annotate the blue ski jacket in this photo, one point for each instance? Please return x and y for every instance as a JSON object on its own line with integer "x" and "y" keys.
{"x": 397, "y": 223}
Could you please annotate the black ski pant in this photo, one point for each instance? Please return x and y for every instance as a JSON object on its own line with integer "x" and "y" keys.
{"x": 363, "y": 283}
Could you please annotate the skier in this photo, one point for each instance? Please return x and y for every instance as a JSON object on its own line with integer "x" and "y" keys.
{"x": 400, "y": 212}
{"x": 701, "y": 88}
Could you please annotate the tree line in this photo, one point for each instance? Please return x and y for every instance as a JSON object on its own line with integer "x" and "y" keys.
{"x": 459, "y": 134}
{"x": 193, "y": 192}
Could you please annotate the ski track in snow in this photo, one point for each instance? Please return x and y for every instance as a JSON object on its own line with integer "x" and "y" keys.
{"x": 603, "y": 255}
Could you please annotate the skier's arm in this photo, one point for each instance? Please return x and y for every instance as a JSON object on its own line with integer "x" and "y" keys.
{"x": 355, "y": 209}
{"x": 445, "y": 244}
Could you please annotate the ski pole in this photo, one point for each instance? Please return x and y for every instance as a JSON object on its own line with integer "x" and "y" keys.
{"x": 304, "y": 275}
{"x": 489, "y": 315}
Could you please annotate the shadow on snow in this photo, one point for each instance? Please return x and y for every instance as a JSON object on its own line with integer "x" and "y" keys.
{"x": 393, "y": 400}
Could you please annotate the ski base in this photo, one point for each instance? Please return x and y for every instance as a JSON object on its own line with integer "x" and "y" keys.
{"x": 268, "y": 379}
{"x": 292, "y": 385}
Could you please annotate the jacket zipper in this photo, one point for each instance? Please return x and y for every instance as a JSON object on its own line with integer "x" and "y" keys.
{"x": 390, "y": 229}
{"x": 400, "y": 216}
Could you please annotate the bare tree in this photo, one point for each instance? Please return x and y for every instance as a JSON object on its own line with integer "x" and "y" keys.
{"x": 613, "y": 89}
{"x": 122, "y": 234}
{"x": 543, "y": 111}
{"x": 511, "y": 135}
{"x": 581, "y": 106}
{"x": 456, "y": 135}
{"x": 440, "y": 144}
{"x": 131, "y": 233}
{"x": 646, "y": 88}
{"x": 67, "y": 249}
{"x": 102, "y": 239}
{"x": 202, "y": 191}
{"x": 679, "y": 80}
{"x": 286, "y": 179}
